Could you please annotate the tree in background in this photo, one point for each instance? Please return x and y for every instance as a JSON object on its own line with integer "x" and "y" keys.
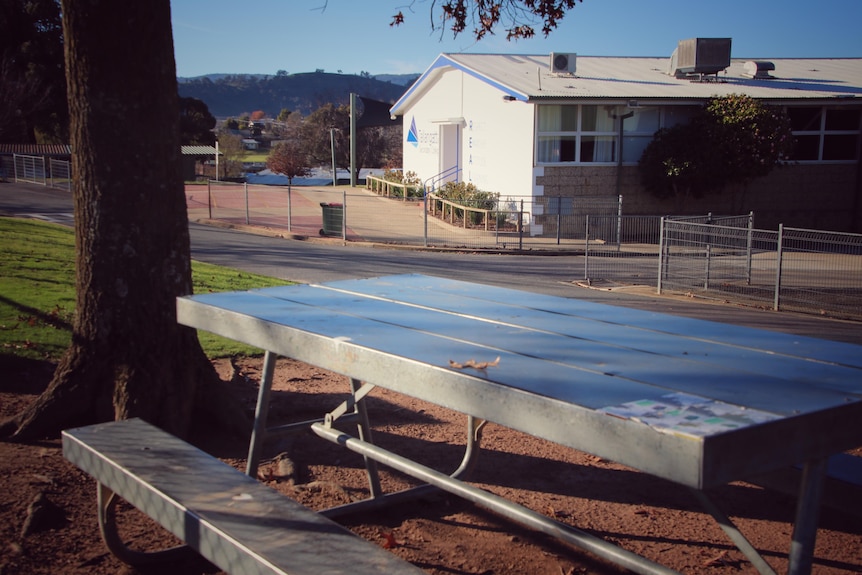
{"x": 196, "y": 123}
{"x": 375, "y": 146}
{"x": 128, "y": 356}
{"x": 230, "y": 146}
{"x": 732, "y": 141}
{"x": 289, "y": 159}
{"x": 316, "y": 134}
{"x": 32, "y": 77}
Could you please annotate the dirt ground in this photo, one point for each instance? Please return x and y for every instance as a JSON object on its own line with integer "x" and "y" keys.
{"x": 440, "y": 534}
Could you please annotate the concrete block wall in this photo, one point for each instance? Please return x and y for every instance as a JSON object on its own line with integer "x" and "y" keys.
{"x": 813, "y": 196}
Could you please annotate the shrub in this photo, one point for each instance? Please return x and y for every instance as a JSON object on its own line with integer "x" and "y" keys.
{"x": 409, "y": 179}
{"x": 467, "y": 194}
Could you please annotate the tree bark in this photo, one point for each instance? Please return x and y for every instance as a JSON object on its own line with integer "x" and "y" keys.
{"x": 128, "y": 357}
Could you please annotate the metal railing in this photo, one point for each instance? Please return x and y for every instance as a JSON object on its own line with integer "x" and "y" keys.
{"x": 35, "y": 170}
{"x": 30, "y": 169}
{"x": 60, "y": 174}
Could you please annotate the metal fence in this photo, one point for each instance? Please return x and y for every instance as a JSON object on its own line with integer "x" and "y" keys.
{"x": 60, "y": 174}
{"x": 30, "y": 169}
{"x": 622, "y": 249}
{"x": 36, "y": 170}
{"x": 723, "y": 257}
{"x": 790, "y": 269}
{"x": 512, "y": 222}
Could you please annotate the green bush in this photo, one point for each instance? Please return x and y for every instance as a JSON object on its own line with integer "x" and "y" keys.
{"x": 409, "y": 179}
{"x": 467, "y": 194}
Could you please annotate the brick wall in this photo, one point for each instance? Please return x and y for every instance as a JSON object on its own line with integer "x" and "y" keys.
{"x": 821, "y": 196}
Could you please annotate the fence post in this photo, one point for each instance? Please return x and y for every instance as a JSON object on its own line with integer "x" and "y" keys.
{"x": 587, "y": 248}
{"x": 344, "y": 215}
{"x": 245, "y": 189}
{"x": 425, "y": 222}
{"x": 559, "y": 217}
{"x": 209, "y": 198}
{"x": 778, "y": 257}
{"x": 708, "y": 262}
{"x": 748, "y": 248}
{"x": 661, "y": 254}
{"x": 289, "y": 209}
{"x": 619, "y": 223}
{"x": 521, "y": 227}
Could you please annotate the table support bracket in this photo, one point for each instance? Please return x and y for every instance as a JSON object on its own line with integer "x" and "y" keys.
{"x": 735, "y": 535}
{"x": 497, "y": 504}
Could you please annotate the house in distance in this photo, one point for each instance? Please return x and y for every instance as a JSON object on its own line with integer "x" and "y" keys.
{"x": 563, "y": 125}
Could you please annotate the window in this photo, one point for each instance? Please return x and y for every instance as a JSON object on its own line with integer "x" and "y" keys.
{"x": 825, "y": 134}
{"x": 589, "y": 134}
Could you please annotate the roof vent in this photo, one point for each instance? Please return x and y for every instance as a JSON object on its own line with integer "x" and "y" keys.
{"x": 563, "y": 63}
{"x": 700, "y": 57}
{"x": 758, "y": 69}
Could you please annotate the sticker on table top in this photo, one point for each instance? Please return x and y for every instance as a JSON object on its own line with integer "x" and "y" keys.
{"x": 689, "y": 414}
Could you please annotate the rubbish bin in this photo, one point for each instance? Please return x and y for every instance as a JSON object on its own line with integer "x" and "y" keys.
{"x": 333, "y": 219}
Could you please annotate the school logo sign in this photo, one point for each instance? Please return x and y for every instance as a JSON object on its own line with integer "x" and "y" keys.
{"x": 412, "y": 134}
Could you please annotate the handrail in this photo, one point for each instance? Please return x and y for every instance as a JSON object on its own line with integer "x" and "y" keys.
{"x": 379, "y": 184}
{"x": 448, "y": 172}
{"x": 486, "y": 213}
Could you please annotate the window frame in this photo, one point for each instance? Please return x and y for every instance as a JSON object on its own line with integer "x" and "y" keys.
{"x": 822, "y": 134}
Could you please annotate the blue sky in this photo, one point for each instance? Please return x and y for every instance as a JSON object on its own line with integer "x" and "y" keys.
{"x": 264, "y": 36}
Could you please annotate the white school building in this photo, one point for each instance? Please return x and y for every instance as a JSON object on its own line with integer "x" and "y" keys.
{"x": 575, "y": 126}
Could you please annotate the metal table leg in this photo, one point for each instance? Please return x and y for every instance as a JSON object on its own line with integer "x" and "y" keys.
{"x": 807, "y": 516}
{"x": 260, "y": 414}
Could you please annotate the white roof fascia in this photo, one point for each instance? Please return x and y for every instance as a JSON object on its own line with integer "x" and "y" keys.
{"x": 441, "y": 64}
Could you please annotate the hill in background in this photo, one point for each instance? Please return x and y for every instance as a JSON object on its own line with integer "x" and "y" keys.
{"x": 232, "y": 95}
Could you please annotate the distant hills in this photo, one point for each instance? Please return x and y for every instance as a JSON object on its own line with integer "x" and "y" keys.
{"x": 233, "y": 95}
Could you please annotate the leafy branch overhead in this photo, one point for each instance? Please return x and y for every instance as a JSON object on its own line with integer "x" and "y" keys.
{"x": 518, "y": 16}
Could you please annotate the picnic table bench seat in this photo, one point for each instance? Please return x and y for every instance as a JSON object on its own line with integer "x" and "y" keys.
{"x": 234, "y": 521}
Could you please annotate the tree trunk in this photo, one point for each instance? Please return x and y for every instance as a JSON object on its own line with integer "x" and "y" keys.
{"x": 128, "y": 357}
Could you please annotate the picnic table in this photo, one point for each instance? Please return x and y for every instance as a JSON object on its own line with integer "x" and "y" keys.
{"x": 696, "y": 402}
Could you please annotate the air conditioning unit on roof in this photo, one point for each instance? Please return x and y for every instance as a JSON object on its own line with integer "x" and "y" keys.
{"x": 562, "y": 63}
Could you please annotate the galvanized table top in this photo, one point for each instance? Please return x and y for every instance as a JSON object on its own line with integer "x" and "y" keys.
{"x": 696, "y": 402}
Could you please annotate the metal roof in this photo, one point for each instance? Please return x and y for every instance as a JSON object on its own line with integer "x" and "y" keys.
{"x": 66, "y": 150}
{"x": 199, "y": 151}
{"x": 36, "y": 149}
{"x": 529, "y": 78}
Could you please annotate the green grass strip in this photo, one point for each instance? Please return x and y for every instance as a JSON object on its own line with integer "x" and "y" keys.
{"x": 37, "y": 291}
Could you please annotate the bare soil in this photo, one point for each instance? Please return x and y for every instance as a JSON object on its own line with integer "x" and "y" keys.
{"x": 440, "y": 534}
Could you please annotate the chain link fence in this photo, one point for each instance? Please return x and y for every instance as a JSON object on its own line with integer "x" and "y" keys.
{"x": 790, "y": 269}
{"x": 723, "y": 257}
{"x": 622, "y": 249}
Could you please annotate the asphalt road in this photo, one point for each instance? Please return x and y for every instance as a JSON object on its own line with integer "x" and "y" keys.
{"x": 315, "y": 262}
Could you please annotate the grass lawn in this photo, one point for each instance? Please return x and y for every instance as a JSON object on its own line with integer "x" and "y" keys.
{"x": 256, "y": 156}
{"x": 37, "y": 291}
